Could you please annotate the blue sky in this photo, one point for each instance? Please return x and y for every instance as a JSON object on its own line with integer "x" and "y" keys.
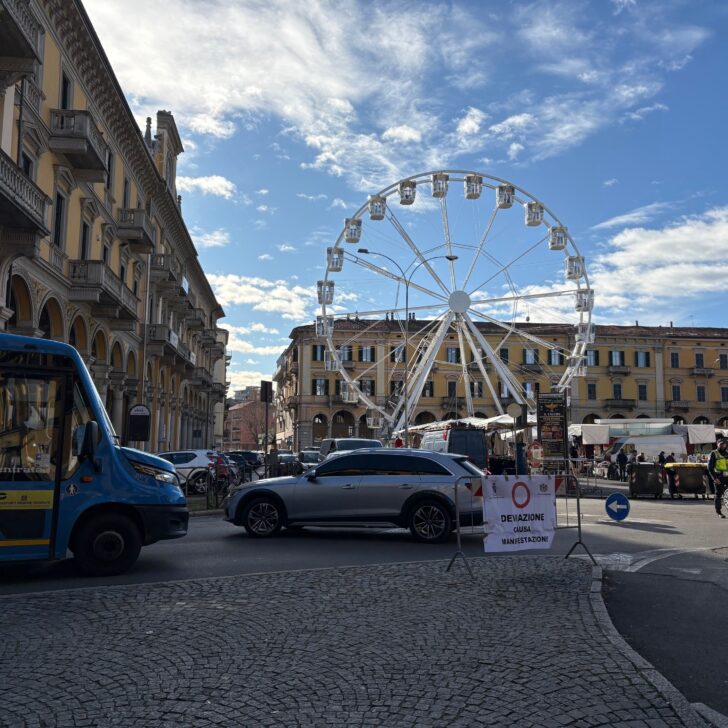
{"x": 613, "y": 113}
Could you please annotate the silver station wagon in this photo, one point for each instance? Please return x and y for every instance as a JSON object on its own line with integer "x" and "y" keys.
{"x": 379, "y": 487}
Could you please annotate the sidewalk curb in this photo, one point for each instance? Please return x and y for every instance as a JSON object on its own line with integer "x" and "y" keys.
{"x": 211, "y": 512}
{"x": 689, "y": 714}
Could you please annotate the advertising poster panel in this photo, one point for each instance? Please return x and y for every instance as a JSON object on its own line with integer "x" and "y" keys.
{"x": 553, "y": 430}
{"x": 519, "y": 513}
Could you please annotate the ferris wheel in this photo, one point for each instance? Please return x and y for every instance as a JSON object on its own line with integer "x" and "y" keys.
{"x": 472, "y": 275}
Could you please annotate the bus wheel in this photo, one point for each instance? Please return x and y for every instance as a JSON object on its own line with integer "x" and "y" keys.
{"x": 106, "y": 545}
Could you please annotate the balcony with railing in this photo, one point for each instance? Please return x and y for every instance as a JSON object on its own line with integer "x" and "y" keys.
{"x": 201, "y": 376}
{"x": 702, "y": 372}
{"x": 22, "y": 203}
{"x": 196, "y": 319}
{"x": 673, "y": 405}
{"x": 208, "y": 337}
{"x": 75, "y": 136}
{"x": 94, "y": 281}
{"x": 137, "y": 229}
{"x": 165, "y": 270}
{"x": 628, "y": 404}
{"x": 19, "y": 32}
{"x": 162, "y": 340}
{"x": 57, "y": 258}
{"x": 619, "y": 369}
{"x": 29, "y": 93}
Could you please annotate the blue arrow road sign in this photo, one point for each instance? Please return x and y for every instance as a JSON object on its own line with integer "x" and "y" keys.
{"x": 617, "y": 506}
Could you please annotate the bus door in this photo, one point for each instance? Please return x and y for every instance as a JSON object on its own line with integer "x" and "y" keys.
{"x": 32, "y": 405}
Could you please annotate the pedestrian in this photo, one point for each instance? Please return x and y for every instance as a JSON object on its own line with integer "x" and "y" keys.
{"x": 718, "y": 472}
{"x": 670, "y": 458}
{"x": 622, "y": 462}
{"x": 398, "y": 441}
{"x": 641, "y": 457}
{"x": 661, "y": 457}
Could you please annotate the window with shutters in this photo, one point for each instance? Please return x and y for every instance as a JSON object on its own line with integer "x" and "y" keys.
{"x": 700, "y": 392}
{"x": 476, "y": 389}
{"x": 317, "y": 352}
{"x": 642, "y": 359}
{"x": 367, "y": 353}
{"x": 320, "y": 387}
{"x": 642, "y": 392}
{"x": 429, "y": 389}
{"x": 617, "y": 390}
{"x": 451, "y": 389}
{"x": 676, "y": 393}
{"x": 674, "y": 360}
{"x": 556, "y": 358}
{"x": 591, "y": 390}
{"x": 453, "y": 355}
{"x": 699, "y": 359}
{"x": 530, "y": 356}
{"x": 616, "y": 358}
{"x": 592, "y": 358}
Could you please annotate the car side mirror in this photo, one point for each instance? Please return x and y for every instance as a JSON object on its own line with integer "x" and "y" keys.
{"x": 311, "y": 474}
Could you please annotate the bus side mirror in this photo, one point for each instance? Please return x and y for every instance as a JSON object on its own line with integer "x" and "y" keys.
{"x": 90, "y": 438}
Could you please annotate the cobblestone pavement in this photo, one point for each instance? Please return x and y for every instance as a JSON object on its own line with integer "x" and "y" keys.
{"x": 396, "y": 645}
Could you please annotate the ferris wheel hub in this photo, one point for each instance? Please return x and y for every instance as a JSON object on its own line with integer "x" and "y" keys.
{"x": 459, "y": 301}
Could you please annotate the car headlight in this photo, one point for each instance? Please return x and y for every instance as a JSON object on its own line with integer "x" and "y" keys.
{"x": 161, "y": 476}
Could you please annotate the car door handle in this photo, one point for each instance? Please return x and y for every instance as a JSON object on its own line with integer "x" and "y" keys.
{"x": 406, "y": 486}
{"x": 348, "y": 486}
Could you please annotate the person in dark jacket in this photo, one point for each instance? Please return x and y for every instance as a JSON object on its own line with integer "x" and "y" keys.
{"x": 622, "y": 462}
{"x": 718, "y": 471}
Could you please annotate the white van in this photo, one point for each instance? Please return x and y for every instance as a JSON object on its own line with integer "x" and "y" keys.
{"x": 469, "y": 441}
{"x": 650, "y": 445}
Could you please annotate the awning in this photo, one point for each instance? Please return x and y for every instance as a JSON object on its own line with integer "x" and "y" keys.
{"x": 595, "y": 434}
{"x": 696, "y": 434}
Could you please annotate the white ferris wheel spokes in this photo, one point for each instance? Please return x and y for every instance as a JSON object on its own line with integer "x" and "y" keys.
{"x": 414, "y": 282}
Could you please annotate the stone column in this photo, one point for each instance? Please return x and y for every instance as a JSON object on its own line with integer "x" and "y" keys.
{"x": 162, "y": 434}
{"x": 149, "y": 393}
{"x": 100, "y": 374}
{"x": 174, "y": 424}
{"x": 183, "y": 427}
{"x": 117, "y": 405}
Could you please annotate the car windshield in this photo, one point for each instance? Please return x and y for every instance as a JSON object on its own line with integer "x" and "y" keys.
{"x": 465, "y": 464}
{"x": 354, "y": 444}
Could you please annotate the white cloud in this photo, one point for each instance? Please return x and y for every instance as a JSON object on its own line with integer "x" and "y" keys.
{"x": 212, "y": 185}
{"x": 512, "y": 125}
{"x": 639, "y": 114}
{"x": 620, "y": 5}
{"x": 338, "y": 202}
{"x": 272, "y": 296}
{"x": 311, "y": 198}
{"x": 471, "y": 122}
{"x": 260, "y": 224}
{"x": 251, "y": 361}
{"x": 325, "y": 79}
{"x": 210, "y": 239}
{"x": 244, "y": 378}
{"x": 262, "y": 192}
{"x": 637, "y": 216}
{"x": 610, "y": 182}
{"x": 402, "y": 134}
{"x": 514, "y": 149}
{"x": 265, "y": 256}
{"x": 665, "y": 267}
{"x": 266, "y": 209}
{"x": 285, "y": 248}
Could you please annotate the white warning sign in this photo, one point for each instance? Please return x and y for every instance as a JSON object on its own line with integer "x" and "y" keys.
{"x": 519, "y": 513}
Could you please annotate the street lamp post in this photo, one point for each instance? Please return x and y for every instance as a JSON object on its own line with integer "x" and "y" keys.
{"x": 407, "y": 281}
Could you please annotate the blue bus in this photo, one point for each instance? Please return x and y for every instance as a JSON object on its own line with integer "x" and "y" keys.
{"x": 66, "y": 485}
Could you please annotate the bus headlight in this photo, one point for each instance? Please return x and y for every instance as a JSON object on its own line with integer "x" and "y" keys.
{"x": 161, "y": 476}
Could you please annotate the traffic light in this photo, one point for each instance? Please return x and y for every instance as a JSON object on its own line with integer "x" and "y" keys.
{"x": 266, "y": 391}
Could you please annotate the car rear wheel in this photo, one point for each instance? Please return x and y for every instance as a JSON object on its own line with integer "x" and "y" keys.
{"x": 430, "y": 522}
{"x": 262, "y": 518}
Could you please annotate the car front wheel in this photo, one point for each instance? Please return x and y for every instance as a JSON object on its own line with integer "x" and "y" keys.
{"x": 430, "y": 522}
{"x": 107, "y": 545}
{"x": 262, "y": 517}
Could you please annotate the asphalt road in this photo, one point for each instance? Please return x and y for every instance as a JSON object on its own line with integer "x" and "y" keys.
{"x": 666, "y": 587}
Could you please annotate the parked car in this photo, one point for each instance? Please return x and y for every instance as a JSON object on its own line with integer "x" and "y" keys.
{"x": 188, "y": 461}
{"x": 470, "y": 441}
{"x": 309, "y": 458}
{"x": 374, "y": 487}
{"x": 289, "y": 464}
{"x": 345, "y": 444}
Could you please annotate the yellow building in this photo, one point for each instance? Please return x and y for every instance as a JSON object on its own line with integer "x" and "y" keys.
{"x": 93, "y": 247}
{"x": 630, "y": 372}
